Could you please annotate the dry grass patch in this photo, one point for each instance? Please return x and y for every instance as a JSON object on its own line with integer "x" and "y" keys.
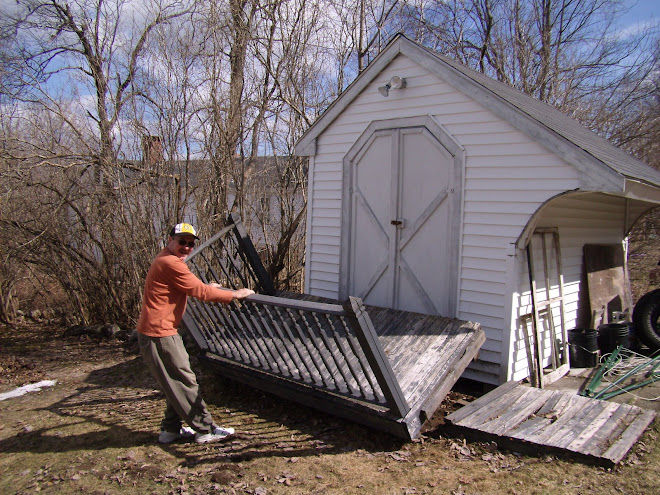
{"x": 95, "y": 432}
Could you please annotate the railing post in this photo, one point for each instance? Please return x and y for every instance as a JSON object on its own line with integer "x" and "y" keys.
{"x": 375, "y": 354}
{"x": 248, "y": 249}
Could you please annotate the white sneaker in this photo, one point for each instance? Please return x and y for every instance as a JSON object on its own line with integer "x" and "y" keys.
{"x": 169, "y": 437}
{"x": 216, "y": 435}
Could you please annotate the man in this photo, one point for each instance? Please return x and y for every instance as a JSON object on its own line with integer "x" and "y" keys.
{"x": 169, "y": 283}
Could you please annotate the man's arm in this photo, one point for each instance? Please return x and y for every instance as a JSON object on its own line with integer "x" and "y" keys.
{"x": 235, "y": 294}
{"x": 182, "y": 279}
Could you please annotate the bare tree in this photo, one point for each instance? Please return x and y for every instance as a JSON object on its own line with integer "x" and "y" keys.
{"x": 261, "y": 69}
{"x": 630, "y": 117}
{"x": 81, "y": 68}
{"x": 550, "y": 49}
{"x": 356, "y": 31}
{"x": 183, "y": 104}
{"x": 122, "y": 117}
{"x": 568, "y": 53}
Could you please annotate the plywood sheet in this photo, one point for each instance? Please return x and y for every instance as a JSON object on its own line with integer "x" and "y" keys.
{"x": 607, "y": 282}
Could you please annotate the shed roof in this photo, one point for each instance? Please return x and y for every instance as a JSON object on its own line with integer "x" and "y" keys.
{"x": 604, "y": 166}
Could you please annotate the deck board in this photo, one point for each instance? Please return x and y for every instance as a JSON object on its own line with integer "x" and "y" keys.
{"x": 557, "y": 419}
{"x": 628, "y": 437}
{"x": 423, "y": 350}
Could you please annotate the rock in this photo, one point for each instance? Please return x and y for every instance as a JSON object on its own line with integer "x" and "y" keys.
{"x": 110, "y": 330}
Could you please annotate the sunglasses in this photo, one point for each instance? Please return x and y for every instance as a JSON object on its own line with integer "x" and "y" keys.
{"x": 183, "y": 242}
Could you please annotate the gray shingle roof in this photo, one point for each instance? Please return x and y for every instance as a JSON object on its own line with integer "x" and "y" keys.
{"x": 561, "y": 124}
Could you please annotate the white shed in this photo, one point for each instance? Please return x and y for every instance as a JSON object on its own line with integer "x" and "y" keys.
{"x": 427, "y": 183}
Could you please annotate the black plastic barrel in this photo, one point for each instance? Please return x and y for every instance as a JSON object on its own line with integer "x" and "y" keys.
{"x": 583, "y": 347}
{"x": 611, "y": 335}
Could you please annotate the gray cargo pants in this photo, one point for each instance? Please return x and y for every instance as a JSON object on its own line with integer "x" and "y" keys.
{"x": 169, "y": 363}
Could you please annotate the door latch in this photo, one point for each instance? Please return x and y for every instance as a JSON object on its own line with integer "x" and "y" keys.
{"x": 399, "y": 222}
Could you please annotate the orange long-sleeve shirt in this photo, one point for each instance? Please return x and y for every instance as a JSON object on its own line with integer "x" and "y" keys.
{"x": 169, "y": 283}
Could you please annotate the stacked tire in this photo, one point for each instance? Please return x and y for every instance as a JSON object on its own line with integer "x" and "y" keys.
{"x": 645, "y": 319}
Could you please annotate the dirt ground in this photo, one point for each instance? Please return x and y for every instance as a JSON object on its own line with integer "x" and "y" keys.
{"x": 95, "y": 432}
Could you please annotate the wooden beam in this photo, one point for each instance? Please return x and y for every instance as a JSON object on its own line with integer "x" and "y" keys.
{"x": 375, "y": 354}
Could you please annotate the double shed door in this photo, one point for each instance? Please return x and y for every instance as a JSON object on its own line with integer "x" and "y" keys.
{"x": 404, "y": 199}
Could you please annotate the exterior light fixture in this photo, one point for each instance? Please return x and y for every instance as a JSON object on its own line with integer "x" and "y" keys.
{"x": 395, "y": 83}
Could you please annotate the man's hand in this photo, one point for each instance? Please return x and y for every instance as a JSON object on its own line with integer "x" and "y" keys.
{"x": 242, "y": 293}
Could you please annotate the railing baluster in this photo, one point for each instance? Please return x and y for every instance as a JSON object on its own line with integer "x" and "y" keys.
{"x": 279, "y": 338}
{"x": 205, "y": 318}
{"x": 311, "y": 351}
{"x": 272, "y": 342}
{"x": 327, "y": 365}
{"x": 216, "y": 331}
{"x": 230, "y": 326}
{"x": 252, "y": 327}
{"x": 312, "y": 343}
{"x": 201, "y": 324}
{"x": 361, "y": 359}
{"x": 223, "y": 321}
{"x": 216, "y": 277}
{"x": 346, "y": 386}
{"x": 261, "y": 360}
{"x": 360, "y": 321}
{"x": 300, "y": 362}
{"x": 231, "y": 271}
{"x": 346, "y": 355}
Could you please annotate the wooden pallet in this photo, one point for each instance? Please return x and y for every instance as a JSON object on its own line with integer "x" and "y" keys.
{"x": 600, "y": 430}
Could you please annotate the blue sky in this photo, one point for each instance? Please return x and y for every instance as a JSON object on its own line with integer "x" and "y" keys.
{"x": 642, "y": 11}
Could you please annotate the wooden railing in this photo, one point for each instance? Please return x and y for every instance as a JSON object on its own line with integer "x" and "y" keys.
{"x": 331, "y": 348}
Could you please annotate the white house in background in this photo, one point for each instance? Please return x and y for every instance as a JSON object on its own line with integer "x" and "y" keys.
{"x": 427, "y": 182}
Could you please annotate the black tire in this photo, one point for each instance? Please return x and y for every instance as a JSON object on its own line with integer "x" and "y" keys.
{"x": 645, "y": 318}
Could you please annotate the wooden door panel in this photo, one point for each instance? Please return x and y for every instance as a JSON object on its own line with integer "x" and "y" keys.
{"x": 370, "y": 253}
{"x": 412, "y": 295}
{"x": 424, "y": 259}
{"x": 425, "y": 173}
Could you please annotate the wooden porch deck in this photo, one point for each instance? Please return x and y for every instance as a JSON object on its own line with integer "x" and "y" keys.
{"x": 426, "y": 356}
{"x": 555, "y": 419}
{"x": 384, "y": 368}
{"x": 427, "y": 353}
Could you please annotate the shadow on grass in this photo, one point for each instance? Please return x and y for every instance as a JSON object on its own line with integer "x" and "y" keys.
{"x": 120, "y": 408}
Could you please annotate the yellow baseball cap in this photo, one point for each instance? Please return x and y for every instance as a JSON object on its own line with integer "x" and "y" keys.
{"x": 183, "y": 228}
